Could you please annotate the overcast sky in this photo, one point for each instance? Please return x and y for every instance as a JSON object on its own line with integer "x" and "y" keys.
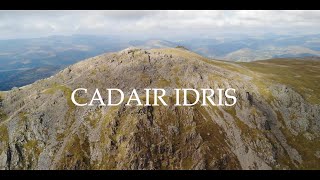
{"x": 159, "y": 24}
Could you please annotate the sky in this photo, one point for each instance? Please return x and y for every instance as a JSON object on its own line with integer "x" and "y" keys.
{"x": 156, "y": 24}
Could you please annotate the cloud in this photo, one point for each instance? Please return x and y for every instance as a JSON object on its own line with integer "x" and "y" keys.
{"x": 16, "y": 24}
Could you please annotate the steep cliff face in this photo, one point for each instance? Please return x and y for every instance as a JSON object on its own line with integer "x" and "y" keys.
{"x": 272, "y": 126}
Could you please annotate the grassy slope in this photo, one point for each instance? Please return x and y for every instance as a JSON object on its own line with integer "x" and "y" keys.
{"x": 301, "y": 75}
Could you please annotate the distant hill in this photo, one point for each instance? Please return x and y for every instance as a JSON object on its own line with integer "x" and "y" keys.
{"x": 151, "y": 44}
{"x": 247, "y": 54}
{"x": 54, "y": 50}
{"x": 20, "y": 57}
{"x": 256, "y": 48}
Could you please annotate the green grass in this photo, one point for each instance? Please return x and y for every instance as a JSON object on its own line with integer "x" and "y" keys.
{"x": 4, "y": 136}
{"x": 187, "y": 163}
{"x": 3, "y": 115}
{"x": 23, "y": 118}
{"x": 162, "y": 83}
{"x": 76, "y": 153}
{"x": 67, "y": 93}
{"x": 301, "y": 75}
{"x": 32, "y": 147}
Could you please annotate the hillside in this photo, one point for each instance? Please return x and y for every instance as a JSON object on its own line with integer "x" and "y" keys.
{"x": 274, "y": 125}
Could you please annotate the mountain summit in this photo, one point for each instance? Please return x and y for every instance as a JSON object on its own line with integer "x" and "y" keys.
{"x": 274, "y": 125}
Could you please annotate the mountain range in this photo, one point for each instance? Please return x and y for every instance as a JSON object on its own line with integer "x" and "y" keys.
{"x": 26, "y": 56}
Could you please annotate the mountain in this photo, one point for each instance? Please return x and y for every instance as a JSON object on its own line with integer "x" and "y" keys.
{"x": 274, "y": 125}
{"x": 256, "y": 48}
{"x": 153, "y": 43}
{"x": 54, "y": 50}
{"x": 19, "y": 55}
{"x": 247, "y": 54}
